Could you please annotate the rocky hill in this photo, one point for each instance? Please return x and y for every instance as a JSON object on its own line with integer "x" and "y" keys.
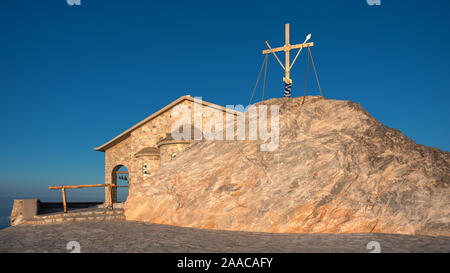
{"x": 337, "y": 170}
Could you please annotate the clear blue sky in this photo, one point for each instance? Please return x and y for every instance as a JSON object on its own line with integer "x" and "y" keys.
{"x": 73, "y": 77}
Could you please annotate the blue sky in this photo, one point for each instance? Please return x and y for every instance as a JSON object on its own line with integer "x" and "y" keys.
{"x": 73, "y": 77}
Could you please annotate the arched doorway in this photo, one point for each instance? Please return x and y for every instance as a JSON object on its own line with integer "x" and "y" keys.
{"x": 121, "y": 178}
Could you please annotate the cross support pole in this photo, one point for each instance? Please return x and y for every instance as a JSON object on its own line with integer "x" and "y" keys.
{"x": 287, "y": 66}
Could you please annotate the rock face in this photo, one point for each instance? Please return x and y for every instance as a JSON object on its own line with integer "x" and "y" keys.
{"x": 337, "y": 170}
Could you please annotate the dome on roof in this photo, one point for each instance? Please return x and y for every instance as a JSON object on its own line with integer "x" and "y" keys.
{"x": 169, "y": 138}
{"x": 148, "y": 151}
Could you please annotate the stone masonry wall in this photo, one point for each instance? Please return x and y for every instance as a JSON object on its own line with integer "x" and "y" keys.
{"x": 116, "y": 156}
{"x": 153, "y": 164}
{"x": 171, "y": 151}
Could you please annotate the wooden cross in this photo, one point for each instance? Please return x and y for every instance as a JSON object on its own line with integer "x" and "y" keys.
{"x": 287, "y": 48}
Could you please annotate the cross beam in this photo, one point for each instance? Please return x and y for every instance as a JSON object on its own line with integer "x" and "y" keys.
{"x": 287, "y": 48}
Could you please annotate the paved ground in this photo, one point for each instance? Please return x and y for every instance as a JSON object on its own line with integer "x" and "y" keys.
{"x": 123, "y": 236}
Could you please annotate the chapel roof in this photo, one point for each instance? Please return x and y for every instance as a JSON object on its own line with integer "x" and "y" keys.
{"x": 127, "y": 133}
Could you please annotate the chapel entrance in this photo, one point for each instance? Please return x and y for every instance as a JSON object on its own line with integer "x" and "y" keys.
{"x": 121, "y": 179}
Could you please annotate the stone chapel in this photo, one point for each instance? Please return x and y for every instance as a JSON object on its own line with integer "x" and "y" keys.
{"x": 145, "y": 147}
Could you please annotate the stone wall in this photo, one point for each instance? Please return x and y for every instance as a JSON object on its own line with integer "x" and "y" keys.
{"x": 148, "y": 163}
{"x": 23, "y": 210}
{"x": 115, "y": 157}
{"x": 171, "y": 151}
{"x": 17, "y": 213}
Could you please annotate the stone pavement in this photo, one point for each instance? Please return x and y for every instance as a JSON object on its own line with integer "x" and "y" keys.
{"x": 127, "y": 236}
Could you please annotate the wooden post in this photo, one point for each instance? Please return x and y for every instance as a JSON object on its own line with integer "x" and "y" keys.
{"x": 63, "y": 190}
{"x": 111, "y": 202}
{"x": 287, "y": 66}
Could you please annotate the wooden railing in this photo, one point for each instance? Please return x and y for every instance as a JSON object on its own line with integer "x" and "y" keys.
{"x": 63, "y": 190}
